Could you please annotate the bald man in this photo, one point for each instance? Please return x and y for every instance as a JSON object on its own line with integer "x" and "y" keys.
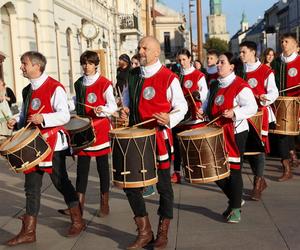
{"x": 153, "y": 92}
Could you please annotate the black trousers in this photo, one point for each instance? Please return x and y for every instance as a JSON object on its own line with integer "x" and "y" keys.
{"x": 166, "y": 198}
{"x": 83, "y": 168}
{"x": 257, "y": 164}
{"x": 176, "y": 146}
{"x": 60, "y": 179}
{"x": 232, "y": 186}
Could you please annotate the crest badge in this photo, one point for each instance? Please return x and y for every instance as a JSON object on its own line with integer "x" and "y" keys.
{"x": 292, "y": 72}
{"x": 149, "y": 93}
{"x": 252, "y": 82}
{"x": 91, "y": 98}
{"x": 219, "y": 100}
{"x": 35, "y": 103}
{"x": 188, "y": 84}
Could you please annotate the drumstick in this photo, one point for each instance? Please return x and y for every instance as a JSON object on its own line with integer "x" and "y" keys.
{"x": 92, "y": 107}
{"x": 217, "y": 118}
{"x": 294, "y": 87}
{"x": 4, "y": 115}
{"x": 192, "y": 99}
{"x": 153, "y": 119}
{"x": 121, "y": 97}
{"x": 21, "y": 131}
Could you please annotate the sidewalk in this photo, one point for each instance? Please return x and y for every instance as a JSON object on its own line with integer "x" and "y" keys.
{"x": 273, "y": 223}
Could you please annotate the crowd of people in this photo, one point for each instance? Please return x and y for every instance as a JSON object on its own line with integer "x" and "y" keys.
{"x": 229, "y": 93}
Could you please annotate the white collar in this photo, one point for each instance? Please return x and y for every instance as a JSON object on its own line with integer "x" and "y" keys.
{"x": 150, "y": 70}
{"x": 288, "y": 59}
{"x": 89, "y": 80}
{"x": 212, "y": 69}
{"x": 36, "y": 83}
{"x": 227, "y": 80}
{"x": 187, "y": 71}
{"x": 252, "y": 66}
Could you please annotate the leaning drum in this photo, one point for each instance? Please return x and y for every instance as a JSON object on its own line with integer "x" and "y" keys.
{"x": 134, "y": 157}
{"x": 81, "y": 132}
{"x": 286, "y": 109}
{"x": 25, "y": 150}
{"x": 203, "y": 155}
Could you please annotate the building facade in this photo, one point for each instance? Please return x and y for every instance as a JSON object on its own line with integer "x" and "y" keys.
{"x": 216, "y": 22}
{"x": 62, "y": 30}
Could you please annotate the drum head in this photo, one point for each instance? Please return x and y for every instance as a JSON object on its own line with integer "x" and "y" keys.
{"x": 199, "y": 133}
{"x": 131, "y": 132}
{"x": 18, "y": 139}
{"x": 77, "y": 122}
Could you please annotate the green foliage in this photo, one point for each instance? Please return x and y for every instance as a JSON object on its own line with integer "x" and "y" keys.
{"x": 216, "y": 43}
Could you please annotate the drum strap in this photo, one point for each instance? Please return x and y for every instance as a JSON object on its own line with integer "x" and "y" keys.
{"x": 26, "y": 94}
{"x": 214, "y": 87}
{"x": 80, "y": 96}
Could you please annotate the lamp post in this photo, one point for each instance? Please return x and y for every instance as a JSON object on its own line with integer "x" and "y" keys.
{"x": 190, "y": 23}
{"x": 199, "y": 30}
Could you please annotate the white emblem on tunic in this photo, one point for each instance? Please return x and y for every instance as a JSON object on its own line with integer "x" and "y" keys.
{"x": 252, "y": 82}
{"x": 292, "y": 72}
{"x": 92, "y": 97}
{"x": 35, "y": 103}
{"x": 149, "y": 93}
{"x": 219, "y": 100}
{"x": 188, "y": 84}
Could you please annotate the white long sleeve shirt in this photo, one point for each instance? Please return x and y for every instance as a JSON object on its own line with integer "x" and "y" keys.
{"x": 174, "y": 94}
{"x": 61, "y": 114}
{"x": 270, "y": 86}
{"x": 245, "y": 102}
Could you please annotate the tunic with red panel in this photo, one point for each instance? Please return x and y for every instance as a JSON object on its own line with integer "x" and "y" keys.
{"x": 147, "y": 97}
{"x": 190, "y": 88}
{"x": 41, "y": 97}
{"x": 224, "y": 99}
{"x": 92, "y": 95}
{"x": 256, "y": 79}
{"x": 287, "y": 75}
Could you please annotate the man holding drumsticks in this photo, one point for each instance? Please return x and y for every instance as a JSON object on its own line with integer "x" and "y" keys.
{"x": 45, "y": 93}
{"x": 153, "y": 91}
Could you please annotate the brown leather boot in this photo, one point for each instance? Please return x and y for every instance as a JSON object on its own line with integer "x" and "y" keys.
{"x": 287, "y": 174}
{"x": 104, "y": 206}
{"x": 145, "y": 234}
{"x": 162, "y": 234}
{"x": 259, "y": 186}
{"x": 27, "y": 233}
{"x": 78, "y": 223}
{"x": 81, "y": 198}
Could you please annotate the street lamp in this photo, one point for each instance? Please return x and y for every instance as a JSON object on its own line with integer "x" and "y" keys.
{"x": 190, "y": 23}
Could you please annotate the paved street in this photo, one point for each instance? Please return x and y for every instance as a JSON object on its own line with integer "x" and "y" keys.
{"x": 273, "y": 223}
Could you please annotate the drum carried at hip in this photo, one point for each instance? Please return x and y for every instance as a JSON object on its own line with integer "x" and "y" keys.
{"x": 134, "y": 157}
{"x": 25, "y": 149}
{"x": 286, "y": 109}
{"x": 203, "y": 154}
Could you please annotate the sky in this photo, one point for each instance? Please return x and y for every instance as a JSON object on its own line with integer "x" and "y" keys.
{"x": 233, "y": 10}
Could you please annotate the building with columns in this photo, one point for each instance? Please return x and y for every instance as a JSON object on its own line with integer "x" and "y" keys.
{"x": 216, "y": 22}
{"x": 62, "y": 30}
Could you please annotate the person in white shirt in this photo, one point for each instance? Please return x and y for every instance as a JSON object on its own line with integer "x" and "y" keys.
{"x": 231, "y": 98}
{"x": 261, "y": 79}
{"x": 47, "y": 95}
{"x": 194, "y": 88}
{"x": 153, "y": 92}
{"x": 95, "y": 99}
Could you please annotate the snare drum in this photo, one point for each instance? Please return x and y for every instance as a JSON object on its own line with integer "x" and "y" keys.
{"x": 25, "y": 150}
{"x": 134, "y": 158}
{"x": 286, "y": 109}
{"x": 81, "y": 132}
{"x": 203, "y": 155}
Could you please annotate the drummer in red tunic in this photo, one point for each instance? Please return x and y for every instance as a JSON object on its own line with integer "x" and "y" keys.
{"x": 231, "y": 99}
{"x": 96, "y": 91}
{"x": 194, "y": 88}
{"x": 153, "y": 92}
{"x": 49, "y": 94}
{"x": 287, "y": 75}
{"x": 262, "y": 82}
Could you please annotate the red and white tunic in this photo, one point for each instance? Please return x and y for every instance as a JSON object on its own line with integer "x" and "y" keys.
{"x": 262, "y": 82}
{"x": 193, "y": 81}
{"x": 98, "y": 90}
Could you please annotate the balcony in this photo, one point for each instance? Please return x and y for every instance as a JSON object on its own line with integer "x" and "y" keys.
{"x": 128, "y": 21}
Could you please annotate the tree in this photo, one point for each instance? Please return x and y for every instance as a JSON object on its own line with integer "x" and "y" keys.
{"x": 216, "y": 43}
